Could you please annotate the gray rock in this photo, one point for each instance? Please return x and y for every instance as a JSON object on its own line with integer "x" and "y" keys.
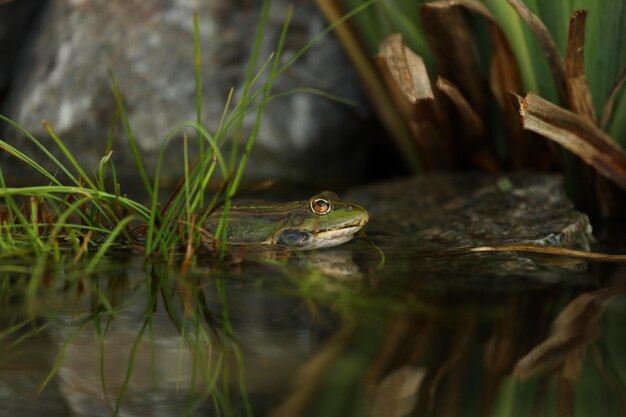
{"x": 455, "y": 210}
{"x": 416, "y": 221}
{"x": 149, "y": 47}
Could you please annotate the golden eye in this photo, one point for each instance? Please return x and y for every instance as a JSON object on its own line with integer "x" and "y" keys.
{"x": 320, "y": 205}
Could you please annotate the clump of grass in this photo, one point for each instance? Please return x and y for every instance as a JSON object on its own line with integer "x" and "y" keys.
{"x": 89, "y": 212}
{"x": 81, "y": 214}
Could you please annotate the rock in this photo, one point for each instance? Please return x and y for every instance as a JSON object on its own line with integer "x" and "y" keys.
{"x": 415, "y": 221}
{"x": 445, "y": 211}
{"x": 149, "y": 47}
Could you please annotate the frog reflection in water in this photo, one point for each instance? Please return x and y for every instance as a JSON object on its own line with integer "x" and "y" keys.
{"x": 321, "y": 222}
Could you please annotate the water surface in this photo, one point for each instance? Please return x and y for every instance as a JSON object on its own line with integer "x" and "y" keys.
{"x": 376, "y": 327}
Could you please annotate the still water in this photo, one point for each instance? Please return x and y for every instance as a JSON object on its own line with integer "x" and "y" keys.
{"x": 371, "y": 328}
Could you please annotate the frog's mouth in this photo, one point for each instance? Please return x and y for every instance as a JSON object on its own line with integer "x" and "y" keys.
{"x": 333, "y": 237}
{"x": 303, "y": 239}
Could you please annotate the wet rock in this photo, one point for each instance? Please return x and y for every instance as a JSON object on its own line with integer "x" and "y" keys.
{"x": 149, "y": 47}
{"x": 415, "y": 222}
{"x": 457, "y": 210}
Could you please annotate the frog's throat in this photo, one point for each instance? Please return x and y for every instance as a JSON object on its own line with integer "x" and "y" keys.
{"x": 322, "y": 239}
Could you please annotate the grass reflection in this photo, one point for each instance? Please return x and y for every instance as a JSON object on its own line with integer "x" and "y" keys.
{"x": 123, "y": 335}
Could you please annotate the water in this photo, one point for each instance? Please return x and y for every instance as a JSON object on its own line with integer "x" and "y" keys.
{"x": 372, "y": 328}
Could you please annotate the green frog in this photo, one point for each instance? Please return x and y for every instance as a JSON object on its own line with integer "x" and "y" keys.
{"x": 322, "y": 221}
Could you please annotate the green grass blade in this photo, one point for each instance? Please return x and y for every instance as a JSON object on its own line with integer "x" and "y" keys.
{"x": 28, "y": 161}
{"x": 130, "y": 135}
{"x": 41, "y": 147}
{"x": 58, "y": 189}
{"x": 197, "y": 60}
{"x": 69, "y": 156}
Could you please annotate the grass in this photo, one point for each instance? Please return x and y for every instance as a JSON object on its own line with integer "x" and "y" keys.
{"x": 75, "y": 219}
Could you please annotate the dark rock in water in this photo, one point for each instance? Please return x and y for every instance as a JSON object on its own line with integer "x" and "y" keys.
{"x": 149, "y": 47}
{"x": 415, "y": 222}
{"x": 460, "y": 210}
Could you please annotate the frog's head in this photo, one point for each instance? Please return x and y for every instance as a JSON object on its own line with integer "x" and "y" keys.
{"x": 325, "y": 221}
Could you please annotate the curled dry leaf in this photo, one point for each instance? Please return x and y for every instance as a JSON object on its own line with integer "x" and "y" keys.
{"x": 576, "y": 134}
{"x": 406, "y": 68}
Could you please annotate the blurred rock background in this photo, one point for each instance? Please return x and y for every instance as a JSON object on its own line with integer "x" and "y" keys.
{"x": 55, "y": 55}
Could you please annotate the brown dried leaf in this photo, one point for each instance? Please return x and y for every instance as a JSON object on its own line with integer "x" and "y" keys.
{"x": 406, "y": 68}
{"x": 547, "y": 43}
{"x": 576, "y": 134}
{"x": 578, "y": 92}
{"x": 408, "y": 84}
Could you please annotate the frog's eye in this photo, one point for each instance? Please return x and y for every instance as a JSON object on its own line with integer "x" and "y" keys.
{"x": 320, "y": 205}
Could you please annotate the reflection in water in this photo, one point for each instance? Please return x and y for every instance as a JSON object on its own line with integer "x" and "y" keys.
{"x": 326, "y": 333}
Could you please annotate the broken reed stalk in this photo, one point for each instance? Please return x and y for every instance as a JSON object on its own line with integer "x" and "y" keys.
{"x": 406, "y": 68}
{"x": 576, "y": 134}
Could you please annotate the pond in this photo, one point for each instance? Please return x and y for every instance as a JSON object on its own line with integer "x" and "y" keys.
{"x": 380, "y": 326}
